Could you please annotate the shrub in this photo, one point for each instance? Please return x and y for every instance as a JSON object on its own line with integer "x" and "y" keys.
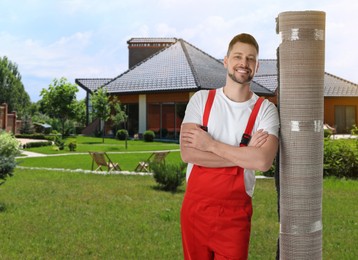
{"x": 31, "y": 136}
{"x": 148, "y": 136}
{"x": 354, "y": 130}
{"x": 72, "y": 146}
{"x": 122, "y": 134}
{"x": 9, "y": 148}
{"x": 327, "y": 133}
{"x": 340, "y": 160}
{"x": 168, "y": 176}
{"x": 59, "y": 143}
{"x": 164, "y": 132}
{"x": 37, "y": 144}
{"x": 271, "y": 171}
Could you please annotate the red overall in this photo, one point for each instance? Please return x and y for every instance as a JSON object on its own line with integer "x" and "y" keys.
{"x": 216, "y": 211}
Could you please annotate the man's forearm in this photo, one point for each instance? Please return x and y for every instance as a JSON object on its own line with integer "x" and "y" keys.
{"x": 207, "y": 159}
{"x": 255, "y": 158}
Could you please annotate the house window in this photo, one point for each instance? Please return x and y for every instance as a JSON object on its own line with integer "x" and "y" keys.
{"x": 165, "y": 119}
{"x": 345, "y": 118}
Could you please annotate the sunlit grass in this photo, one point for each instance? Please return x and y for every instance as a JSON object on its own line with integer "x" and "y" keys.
{"x": 54, "y": 215}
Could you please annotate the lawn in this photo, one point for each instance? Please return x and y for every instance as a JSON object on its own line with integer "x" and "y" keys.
{"x": 62, "y": 215}
{"x": 57, "y": 215}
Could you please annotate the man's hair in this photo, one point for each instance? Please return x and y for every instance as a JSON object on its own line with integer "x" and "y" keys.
{"x": 244, "y": 38}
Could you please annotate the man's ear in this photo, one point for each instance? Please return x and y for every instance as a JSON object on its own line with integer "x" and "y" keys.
{"x": 225, "y": 62}
{"x": 257, "y": 66}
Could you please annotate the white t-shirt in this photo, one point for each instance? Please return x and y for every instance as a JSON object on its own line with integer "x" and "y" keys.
{"x": 228, "y": 119}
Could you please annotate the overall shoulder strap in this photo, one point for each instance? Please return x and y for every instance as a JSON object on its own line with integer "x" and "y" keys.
{"x": 207, "y": 109}
{"x": 250, "y": 124}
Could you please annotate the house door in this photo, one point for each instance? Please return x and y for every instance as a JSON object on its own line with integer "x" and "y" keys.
{"x": 344, "y": 117}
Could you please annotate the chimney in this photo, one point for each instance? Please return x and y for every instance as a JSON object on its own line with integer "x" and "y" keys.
{"x": 142, "y": 48}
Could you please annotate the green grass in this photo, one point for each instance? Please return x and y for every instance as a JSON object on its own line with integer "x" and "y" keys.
{"x": 57, "y": 215}
{"x": 85, "y": 144}
{"x": 61, "y": 215}
{"x": 127, "y": 161}
{"x": 50, "y": 215}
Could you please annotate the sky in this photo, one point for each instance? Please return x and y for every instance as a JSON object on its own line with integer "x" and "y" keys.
{"x": 50, "y": 39}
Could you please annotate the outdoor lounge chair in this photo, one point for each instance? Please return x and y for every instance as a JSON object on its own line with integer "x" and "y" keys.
{"x": 102, "y": 160}
{"x": 155, "y": 157}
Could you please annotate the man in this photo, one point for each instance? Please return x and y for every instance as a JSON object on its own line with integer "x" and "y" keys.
{"x": 217, "y": 209}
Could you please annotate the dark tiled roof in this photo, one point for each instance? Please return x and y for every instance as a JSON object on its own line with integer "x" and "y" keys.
{"x": 166, "y": 70}
{"x": 183, "y": 67}
{"x": 267, "y": 67}
{"x": 91, "y": 85}
{"x": 180, "y": 66}
{"x": 345, "y": 89}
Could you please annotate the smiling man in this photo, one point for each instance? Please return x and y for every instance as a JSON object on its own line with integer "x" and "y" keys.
{"x": 226, "y": 135}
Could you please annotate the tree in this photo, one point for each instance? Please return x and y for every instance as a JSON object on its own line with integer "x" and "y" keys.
{"x": 11, "y": 88}
{"x": 102, "y": 107}
{"x": 59, "y": 101}
{"x": 119, "y": 115}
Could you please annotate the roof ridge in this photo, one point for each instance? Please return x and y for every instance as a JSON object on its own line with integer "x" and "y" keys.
{"x": 194, "y": 72}
{"x": 355, "y": 84}
{"x": 218, "y": 60}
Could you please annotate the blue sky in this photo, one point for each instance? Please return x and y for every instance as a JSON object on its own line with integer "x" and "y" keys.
{"x": 88, "y": 38}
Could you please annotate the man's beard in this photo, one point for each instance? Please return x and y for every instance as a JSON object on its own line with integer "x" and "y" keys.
{"x": 237, "y": 80}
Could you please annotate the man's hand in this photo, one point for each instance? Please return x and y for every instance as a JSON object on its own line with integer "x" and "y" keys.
{"x": 196, "y": 138}
{"x": 258, "y": 138}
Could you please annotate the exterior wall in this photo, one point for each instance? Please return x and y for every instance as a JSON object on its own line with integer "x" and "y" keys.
{"x": 329, "y": 108}
{"x": 168, "y": 97}
{"x": 183, "y": 97}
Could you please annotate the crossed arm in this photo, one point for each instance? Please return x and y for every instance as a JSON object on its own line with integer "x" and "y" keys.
{"x": 198, "y": 147}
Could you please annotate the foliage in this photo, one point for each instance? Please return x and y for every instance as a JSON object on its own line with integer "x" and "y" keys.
{"x": 122, "y": 134}
{"x": 59, "y": 142}
{"x": 9, "y": 148}
{"x": 105, "y": 109}
{"x": 163, "y": 132}
{"x": 37, "y": 144}
{"x": 168, "y": 176}
{"x": 327, "y": 133}
{"x": 271, "y": 171}
{"x": 59, "y": 101}
{"x": 119, "y": 116}
{"x": 148, "y": 136}
{"x": 101, "y": 107}
{"x": 72, "y": 146}
{"x": 354, "y": 130}
{"x": 340, "y": 160}
{"x": 80, "y": 112}
{"x": 27, "y": 127}
{"x": 11, "y": 88}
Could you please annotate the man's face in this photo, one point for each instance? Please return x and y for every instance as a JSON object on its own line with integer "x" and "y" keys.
{"x": 241, "y": 63}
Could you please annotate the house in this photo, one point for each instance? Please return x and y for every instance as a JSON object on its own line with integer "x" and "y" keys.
{"x": 165, "y": 72}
